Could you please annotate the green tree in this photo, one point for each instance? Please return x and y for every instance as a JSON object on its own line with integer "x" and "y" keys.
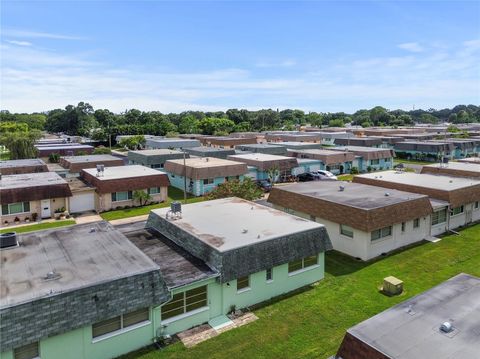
{"x": 246, "y": 189}
{"x": 336, "y": 123}
{"x": 142, "y": 197}
{"x": 101, "y": 150}
{"x": 19, "y": 140}
{"x": 189, "y": 124}
{"x": 135, "y": 142}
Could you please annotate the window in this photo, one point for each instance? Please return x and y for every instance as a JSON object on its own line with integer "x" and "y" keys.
{"x": 154, "y": 190}
{"x": 346, "y": 230}
{"x": 302, "y": 264}
{"x": 457, "y": 210}
{"x": 185, "y": 302}
{"x": 157, "y": 165}
{"x": 439, "y": 217}
{"x": 388, "y": 160}
{"x": 14, "y": 208}
{"x": 375, "y": 162}
{"x": 120, "y": 322}
{"x": 269, "y": 275}
{"x": 476, "y": 205}
{"x": 121, "y": 196}
{"x": 28, "y": 351}
{"x": 381, "y": 233}
{"x": 403, "y": 226}
{"x": 208, "y": 181}
{"x": 243, "y": 283}
{"x": 416, "y": 223}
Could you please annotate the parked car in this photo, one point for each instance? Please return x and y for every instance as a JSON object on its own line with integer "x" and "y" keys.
{"x": 326, "y": 175}
{"x": 308, "y": 176}
{"x": 265, "y": 185}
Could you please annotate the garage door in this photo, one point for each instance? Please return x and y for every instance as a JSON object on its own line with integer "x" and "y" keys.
{"x": 82, "y": 202}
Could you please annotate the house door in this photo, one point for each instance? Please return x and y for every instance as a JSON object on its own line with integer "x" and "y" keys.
{"x": 468, "y": 216}
{"x": 46, "y": 212}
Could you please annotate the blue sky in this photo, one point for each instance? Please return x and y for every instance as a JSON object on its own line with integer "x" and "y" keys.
{"x": 176, "y": 56}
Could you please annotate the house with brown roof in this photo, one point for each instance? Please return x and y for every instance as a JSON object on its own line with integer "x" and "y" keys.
{"x": 227, "y": 142}
{"x": 32, "y": 195}
{"x": 455, "y": 200}
{"x": 201, "y": 175}
{"x": 116, "y": 186}
{"x": 263, "y": 166}
{"x": 75, "y": 164}
{"x": 369, "y": 158}
{"x": 337, "y": 162}
{"x": 15, "y": 167}
{"x": 362, "y": 221}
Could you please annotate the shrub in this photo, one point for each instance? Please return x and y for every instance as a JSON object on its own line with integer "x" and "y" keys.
{"x": 53, "y": 157}
{"x": 246, "y": 189}
{"x": 101, "y": 150}
{"x": 354, "y": 170}
{"x": 369, "y": 169}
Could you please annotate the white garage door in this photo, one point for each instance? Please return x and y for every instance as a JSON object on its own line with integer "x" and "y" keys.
{"x": 82, "y": 202}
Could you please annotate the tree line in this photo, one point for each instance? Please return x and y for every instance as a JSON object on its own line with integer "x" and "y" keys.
{"x": 101, "y": 124}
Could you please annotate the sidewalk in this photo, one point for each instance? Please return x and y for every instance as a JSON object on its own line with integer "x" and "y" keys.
{"x": 116, "y": 222}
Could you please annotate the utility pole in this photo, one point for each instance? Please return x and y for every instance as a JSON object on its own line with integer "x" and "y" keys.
{"x": 184, "y": 177}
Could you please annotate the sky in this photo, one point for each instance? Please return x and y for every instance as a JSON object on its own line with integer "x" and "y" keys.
{"x": 214, "y": 55}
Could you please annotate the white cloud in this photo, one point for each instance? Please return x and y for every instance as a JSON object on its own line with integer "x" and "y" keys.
{"x": 38, "y": 35}
{"x": 38, "y": 80}
{"x": 19, "y": 43}
{"x": 284, "y": 63}
{"x": 411, "y": 46}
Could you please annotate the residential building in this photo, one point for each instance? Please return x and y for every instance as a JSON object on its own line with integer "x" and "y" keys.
{"x": 227, "y": 142}
{"x": 439, "y": 323}
{"x": 262, "y": 166}
{"x": 75, "y": 164}
{"x": 359, "y": 141}
{"x": 424, "y": 151}
{"x": 15, "y": 167}
{"x": 32, "y": 195}
{"x": 328, "y": 138}
{"x": 170, "y": 143}
{"x": 306, "y": 165}
{"x": 455, "y": 200}
{"x": 267, "y": 148}
{"x": 81, "y": 292}
{"x": 337, "y": 162}
{"x": 202, "y": 175}
{"x": 463, "y": 147}
{"x": 472, "y": 160}
{"x": 216, "y": 152}
{"x": 154, "y": 158}
{"x": 362, "y": 221}
{"x": 64, "y": 149}
{"x": 116, "y": 186}
{"x": 456, "y": 169}
{"x": 295, "y": 145}
{"x": 292, "y": 137}
{"x": 369, "y": 158}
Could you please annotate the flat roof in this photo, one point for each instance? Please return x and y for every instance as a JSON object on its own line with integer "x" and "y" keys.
{"x": 260, "y": 157}
{"x": 356, "y": 195}
{"x": 177, "y": 266}
{"x": 90, "y": 158}
{"x": 72, "y": 146}
{"x": 231, "y": 223}
{"x": 201, "y": 162}
{"x": 458, "y": 166}
{"x": 208, "y": 149}
{"x": 22, "y": 163}
{"x": 261, "y": 145}
{"x": 411, "y": 329}
{"x": 30, "y": 180}
{"x": 430, "y": 181}
{"x": 172, "y": 140}
{"x": 297, "y": 144}
{"x": 315, "y": 151}
{"x": 474, "y": 160}
{"x": 128, "y": 171}
{"x": 156, "y": 152}
{"x": 359, "y": 149}
{"x": 81, "y": 255}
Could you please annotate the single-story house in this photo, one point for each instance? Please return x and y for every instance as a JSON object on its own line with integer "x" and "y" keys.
{"x": 15, "y": 167}
{"x": 306, "y": 165}
{"x": 293, "y": 145}
{"x": 170, "y": 143}
{"x": 64, "y": 149}
{"x": 227, "y": 142}
{"x": 267, "y": 148}
{"x": 424, "y": 150}
{"x": 455, "y": 200}
{"x": 116, "y": 186}
{"x": 369, "y": 158}
{"x": 464, "y": 147}
{"x": 455, "y": 169}
{"x": 337, "y": 162}
{"x": 74, "y": 164}
{"x": 203, "y": 174}
{"x": 292, "y": 137}
{"x": 362, "y": 221}
{"x": 359, "y": 141}
{"x": 216, "y": 152}
{"x": 32, "y": 195}
{"x": 263, "y": 166}
{"x": 439, "y": 323}
{"x": 154, "y": 158}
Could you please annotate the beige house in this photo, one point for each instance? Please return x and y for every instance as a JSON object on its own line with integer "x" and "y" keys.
{"x": 33, "y": 195}
{"x": 116, "y": 186}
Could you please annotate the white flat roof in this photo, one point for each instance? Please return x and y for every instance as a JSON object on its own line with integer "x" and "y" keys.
{"x": 205, "y": 162}
{"x": 231, "y": 223}
{"x": 30, "y": 180}
{"x": 423, "y": 180}
{"x": 460, "y": 166}
{"x": 124, "y": 172}
{"x": 260, "y": 157}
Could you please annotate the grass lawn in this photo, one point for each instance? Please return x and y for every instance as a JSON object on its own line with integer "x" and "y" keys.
{"x": 39, "y": 226}
{"x": 174, "y": 194}
{"x": 311, "y": 324}
{"x": 396, "y": 161}
{"x": 347, "y": 177}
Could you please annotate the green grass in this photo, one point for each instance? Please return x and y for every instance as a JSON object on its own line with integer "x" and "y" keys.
{"x": 347, "y": 177}
{"x": 174, "y": 194}
{"x": 39, "y": 226}
{"x": 396, "y": 161}
{"x": 311, "y": 324}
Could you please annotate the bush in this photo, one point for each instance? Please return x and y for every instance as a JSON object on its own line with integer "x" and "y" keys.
{"x": 369, "y": 169}
{"x": 53, "y": 157}
{"x": 246, "y": 189}
{"x": 101, "y": 150}
{"x": 354, "y": 170}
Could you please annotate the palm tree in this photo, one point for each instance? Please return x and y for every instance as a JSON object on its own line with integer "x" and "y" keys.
{"x": 142, "y": 197}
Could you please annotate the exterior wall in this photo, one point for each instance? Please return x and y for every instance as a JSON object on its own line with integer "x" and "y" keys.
{"x": 362, "y": 164}
{"x": 314, "y": 165}
{"x": 103, "y": 201}
{"x": 361, "y": 246}
{"x": 196, "y": 187}
{"x": 35, "y": 207}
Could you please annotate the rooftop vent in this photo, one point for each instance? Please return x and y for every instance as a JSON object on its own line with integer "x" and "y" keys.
{"x": 387, "y": 194}
{"x": 244, "y": 230}
{"x": 446, "y": 327}
{"x": 100, "y": 170}
{"x": 52, "y": 275}
{"x": 8, "y": 239}
{"x": 175, "y": 211}
{"x": 341, "y": 188}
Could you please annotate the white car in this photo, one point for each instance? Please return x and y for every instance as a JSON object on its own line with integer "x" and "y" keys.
{"x": 325, "y": 175}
